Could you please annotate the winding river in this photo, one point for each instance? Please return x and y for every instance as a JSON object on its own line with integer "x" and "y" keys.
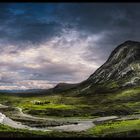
{"x": 7, "y": 121}
{"x": 80, "y": 125}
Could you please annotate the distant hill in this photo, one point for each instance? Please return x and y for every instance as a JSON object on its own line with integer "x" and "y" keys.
{"x": 64, "y": 86}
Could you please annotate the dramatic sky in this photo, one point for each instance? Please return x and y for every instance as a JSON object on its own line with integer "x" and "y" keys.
{"x": 42, "y": 44}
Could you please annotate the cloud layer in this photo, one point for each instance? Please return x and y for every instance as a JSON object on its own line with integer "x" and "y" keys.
{"x": 44, "y": 44}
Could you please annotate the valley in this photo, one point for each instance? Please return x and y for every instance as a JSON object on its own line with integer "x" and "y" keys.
{"x": 90, "y": 117}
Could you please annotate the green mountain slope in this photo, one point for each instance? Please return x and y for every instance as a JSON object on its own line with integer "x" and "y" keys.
{"x": 120, "y": 71}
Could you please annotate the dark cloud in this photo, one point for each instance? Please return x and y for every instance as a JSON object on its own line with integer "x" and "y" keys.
{"x": 25, "y": 24}
{"x": 98, "y": 17}
{"x": 37, "y": 32}
{"x": 38, "y": 22}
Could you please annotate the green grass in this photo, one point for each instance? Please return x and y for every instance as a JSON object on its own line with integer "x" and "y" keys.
{"x": 6, "y": 131}
{"x": 64, "y": 106}
{"x": 107, "y": 129}
{"x": 99, "y": 104}
{"x": 128, "y": 94}
{"x": 55, "y": 105}
{"x": 115, "y": 127}
{"x": 122, "y": 102}
{"x": 19, "y": 132}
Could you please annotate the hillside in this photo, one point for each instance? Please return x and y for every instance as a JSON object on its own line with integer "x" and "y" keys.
{"x": 120, "y": 71}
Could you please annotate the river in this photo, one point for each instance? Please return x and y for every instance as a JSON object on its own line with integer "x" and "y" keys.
{"x": 80, "y": 125}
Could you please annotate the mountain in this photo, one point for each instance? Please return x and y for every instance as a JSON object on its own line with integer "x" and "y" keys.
{"x": 122, "y": 69}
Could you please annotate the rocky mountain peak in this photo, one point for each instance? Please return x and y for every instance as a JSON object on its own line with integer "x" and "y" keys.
{"x": 122, "y": 66}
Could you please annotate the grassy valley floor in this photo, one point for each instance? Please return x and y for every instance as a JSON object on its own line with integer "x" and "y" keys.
{"x": 129, "y": 128}
{"x": 121, "y": 103}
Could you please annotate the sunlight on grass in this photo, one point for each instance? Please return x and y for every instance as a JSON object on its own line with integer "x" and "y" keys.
{"x": 124, "y": 95}
{"x": 120, "y": 126}
{"x": 127, "y": 94}
{"x": 54, "y": 106}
